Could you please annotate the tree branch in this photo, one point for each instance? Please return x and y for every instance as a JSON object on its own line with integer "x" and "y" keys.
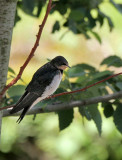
{"x": 71, "y": 92}
{"x": 85, "y": 88}
{"x": 62, "y": 106}
{"x": 31, "y": 53}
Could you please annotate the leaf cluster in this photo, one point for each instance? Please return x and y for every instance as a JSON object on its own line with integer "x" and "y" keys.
{"x": 76, "y": 15}
{"x": 77, "y": 77}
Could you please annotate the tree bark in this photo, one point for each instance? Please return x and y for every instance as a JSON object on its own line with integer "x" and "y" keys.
{"x": 7, "y": 15}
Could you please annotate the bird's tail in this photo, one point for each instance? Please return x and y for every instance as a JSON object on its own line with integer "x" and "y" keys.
{"x": 25, "y": 102}
{"x": 22, "y": 114}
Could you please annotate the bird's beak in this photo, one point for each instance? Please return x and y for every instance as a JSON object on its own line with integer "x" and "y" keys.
{"x": 68, "y": 66}
{"x": 63, "y": 67}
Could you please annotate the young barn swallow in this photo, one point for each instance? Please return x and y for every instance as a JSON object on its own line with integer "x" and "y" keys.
{"x": 44, "y": 83}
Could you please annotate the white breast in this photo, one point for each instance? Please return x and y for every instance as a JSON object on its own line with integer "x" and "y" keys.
{"x": 49, "y": 90}
{"x": 53, "y": 86}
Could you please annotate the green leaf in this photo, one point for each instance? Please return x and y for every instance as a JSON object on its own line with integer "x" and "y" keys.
{"x": 39, "y": 8}
{"x": 119, "y": 85}
{"x": 56, "y": 27}
{"x": 96, "y": 35}
{"x": 103, "y": 91}
{"x": 112, "y": 61}
{"x": 16, "y": 90}
{"x": 100, "y": 18}
{"x": 65, "y": 84}
{"x": 76, "y": 71}
{"x": 60, "y": 7}
{"x": 17, "y": 18}
{"x": 77, "y": 14}
{"x": 28, "y": 6}
{"x": 100, "y": 75}
{"x": 63, "y": 98}
{"x": 12, "y": 100}
{"x": 65, "y": 118}
{"x": 110, "y": 23}
{"x": 11, "y": 70}
{"x": 118, "y": 117}
{"x": 111, "y": 86}
{"x": 72, "y": 26}
{"x": 108, "y": 109}
{"x": 84, "y": 112}
{"x": 117, "y": 6}
{"x": 87, "y": 67}
{"x": 95, "y": 115}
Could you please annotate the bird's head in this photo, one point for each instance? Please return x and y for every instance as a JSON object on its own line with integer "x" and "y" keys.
{"x": 60, "y": 62}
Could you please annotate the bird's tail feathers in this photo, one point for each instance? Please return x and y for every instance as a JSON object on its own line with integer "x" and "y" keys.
{"x": 22, "y": 115}
{"x": 27, "y": 101}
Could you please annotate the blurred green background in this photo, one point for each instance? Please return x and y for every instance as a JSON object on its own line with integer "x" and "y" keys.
{"x": 40, "y": 139}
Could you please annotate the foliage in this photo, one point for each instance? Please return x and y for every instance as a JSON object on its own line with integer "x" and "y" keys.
{"x": 40, "y": 139}
{"x": 36, "y": 139}
{"x": 77, "y": 15}
{"x": 77, "y": 77}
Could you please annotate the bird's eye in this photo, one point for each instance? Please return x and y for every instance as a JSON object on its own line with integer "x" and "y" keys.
{"x": 64, "y": 64}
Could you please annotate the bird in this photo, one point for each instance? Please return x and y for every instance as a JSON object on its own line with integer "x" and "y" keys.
{"x": 44, "y": 83}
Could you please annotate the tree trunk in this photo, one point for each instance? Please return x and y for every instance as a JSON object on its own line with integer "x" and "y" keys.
{"x": 7, "y": 15}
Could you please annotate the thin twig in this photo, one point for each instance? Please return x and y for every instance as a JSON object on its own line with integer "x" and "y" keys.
{"x": 68, "y": 105}
{"x": 80, "y": 90}
{"x": 85, "y": 88}
{"x": 22, "y": 68}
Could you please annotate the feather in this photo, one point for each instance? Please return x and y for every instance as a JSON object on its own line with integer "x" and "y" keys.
{"x": 25, "y": 102}
{"x": 45, "y": 81}
{"x": 22, "y": 114}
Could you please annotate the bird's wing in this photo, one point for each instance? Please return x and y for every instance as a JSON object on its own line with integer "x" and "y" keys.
{"x": 26, "y": 101}
{"x": 35, "y": 88}
{"x": 41, "y": 79}
{"x": 21, "y": 98}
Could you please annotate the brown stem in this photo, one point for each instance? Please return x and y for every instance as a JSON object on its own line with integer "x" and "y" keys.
{"x": 68, "y": 105}
{"x": 83, "y": 89}
{"x": 22, "y": 68}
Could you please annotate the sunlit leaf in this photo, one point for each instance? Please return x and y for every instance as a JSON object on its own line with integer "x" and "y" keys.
{"x": 76, "y": 71}
{"x": 112, "y": 61}
{"x": 11, "y": 70}
{"x": 101, "y": 74}
{"x": 103, "y": 15}
{"x": 87, "y": 67}
{"x": 117, "y": 6}
{"x": 16, "y": 90}
{"x": 96, "y": 35}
